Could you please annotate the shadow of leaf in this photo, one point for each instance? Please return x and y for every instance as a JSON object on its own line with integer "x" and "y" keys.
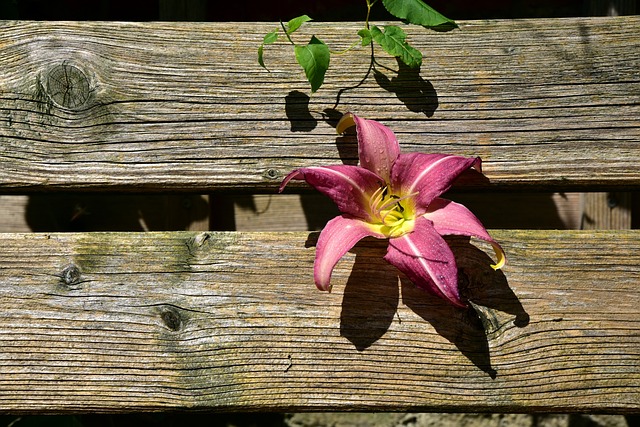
{"x": 332, "y": 116}
{"x": 296, "y": 107}
{"x": 416, "y": 93}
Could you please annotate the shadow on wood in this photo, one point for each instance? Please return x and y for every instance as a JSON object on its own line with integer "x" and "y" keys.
{"x": 482, "y": 285}
{"x": 296, "y": 107}
{"x": 371, "y": 299}
{"x": 461, "y": 327}
{"x": 371, "y": 295}
{"x": 113, "y": 212}
{"x": 416, "y": 93}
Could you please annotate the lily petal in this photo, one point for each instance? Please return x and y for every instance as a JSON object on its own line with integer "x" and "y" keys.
{"x": 378, "y": 146}
{"x": 336, "y": 239}
{"x": 348, "y": 186}
{"x": 428, "y": 175}
{"x": 345, "y": 122}
{"x": 453, "y": 218}
{"x": 427, "y": 260}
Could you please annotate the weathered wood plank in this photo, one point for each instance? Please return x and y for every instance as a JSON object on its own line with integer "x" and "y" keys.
{"x": 184, "y": 106}
{"x": 262, "y": 212}
{"x": 607, "y": 211}
{"x": 300, "y": 212}
{"x": 103, "y": 212}
{"x": 12, "y": 214}
{"x": 232, "y": 321}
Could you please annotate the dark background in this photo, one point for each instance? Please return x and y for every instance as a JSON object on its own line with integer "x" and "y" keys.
{"x": 264, "y": 10}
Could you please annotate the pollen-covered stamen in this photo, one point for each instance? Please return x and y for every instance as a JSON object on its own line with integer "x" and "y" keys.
{"x": 393, "y": 218}
{"x": 395, "y": 200}
{"x": 376, "y": 199}
{"x": 391, "y": 211}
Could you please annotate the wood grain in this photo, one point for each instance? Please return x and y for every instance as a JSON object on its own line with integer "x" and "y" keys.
{"x": 103, "y": 212}
{"x": 310, "y": 212}
{"x": 281, "y": 212}
{"x": 185, "y": 106}
{"x": 607, "y": 211}
{"x": 120, "y": 322}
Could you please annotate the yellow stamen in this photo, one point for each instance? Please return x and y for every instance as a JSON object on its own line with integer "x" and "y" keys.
{"x": 392, "y": 216}
{"x": 376, "y": 198}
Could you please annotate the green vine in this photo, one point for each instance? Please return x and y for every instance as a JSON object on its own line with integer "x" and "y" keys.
{"x": 315, "y": 56}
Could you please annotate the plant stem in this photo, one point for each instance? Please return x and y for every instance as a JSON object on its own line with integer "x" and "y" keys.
{"x": 342, "y": 52}
{"x": 369, "y": 5}
{"x": 360, "y": 83}
{"x": 287, "y": 34}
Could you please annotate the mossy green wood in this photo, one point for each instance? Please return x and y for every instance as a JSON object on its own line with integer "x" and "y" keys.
{"x": 186, "y": 107}
{"x": 121, "y": 322}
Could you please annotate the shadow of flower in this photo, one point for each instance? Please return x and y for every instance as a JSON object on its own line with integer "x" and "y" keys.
{"x": 492, "y": 305}
{"x": 347, "y": 145}
{"x": 462, "y": 327}
{"x": 371, "y": 298}
{"x": 371, "y": 295}
{"x": 485, "y": 287}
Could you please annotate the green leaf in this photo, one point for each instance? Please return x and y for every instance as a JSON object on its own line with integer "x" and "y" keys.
{"x": 271, "y": 37}
{"x": 261, "y": 57}
{"x": 314, "y": 60}
{"x": 419, "y": 13}
{"x": 295, "y": 23}
{"x": 365, "y": 35}
{"x": 393, "y": 42}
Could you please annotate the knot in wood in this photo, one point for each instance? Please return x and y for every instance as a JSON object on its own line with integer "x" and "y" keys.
{"x": 67, "y": 86}
{"x": 271, "y": 174}
{"x": 463, "y": 282}
{"x": 171, "y": 318}
{"x": 70, "y": 275}
{"x": 200, "y": 239}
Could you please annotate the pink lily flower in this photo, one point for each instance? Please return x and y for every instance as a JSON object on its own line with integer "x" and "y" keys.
{"x": 396, "y": 197}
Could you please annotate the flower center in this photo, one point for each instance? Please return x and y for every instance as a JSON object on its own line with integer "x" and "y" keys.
{"x": 393, "y": 214}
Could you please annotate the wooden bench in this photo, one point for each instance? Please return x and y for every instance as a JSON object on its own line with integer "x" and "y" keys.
{"x": 231, "y": 321}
